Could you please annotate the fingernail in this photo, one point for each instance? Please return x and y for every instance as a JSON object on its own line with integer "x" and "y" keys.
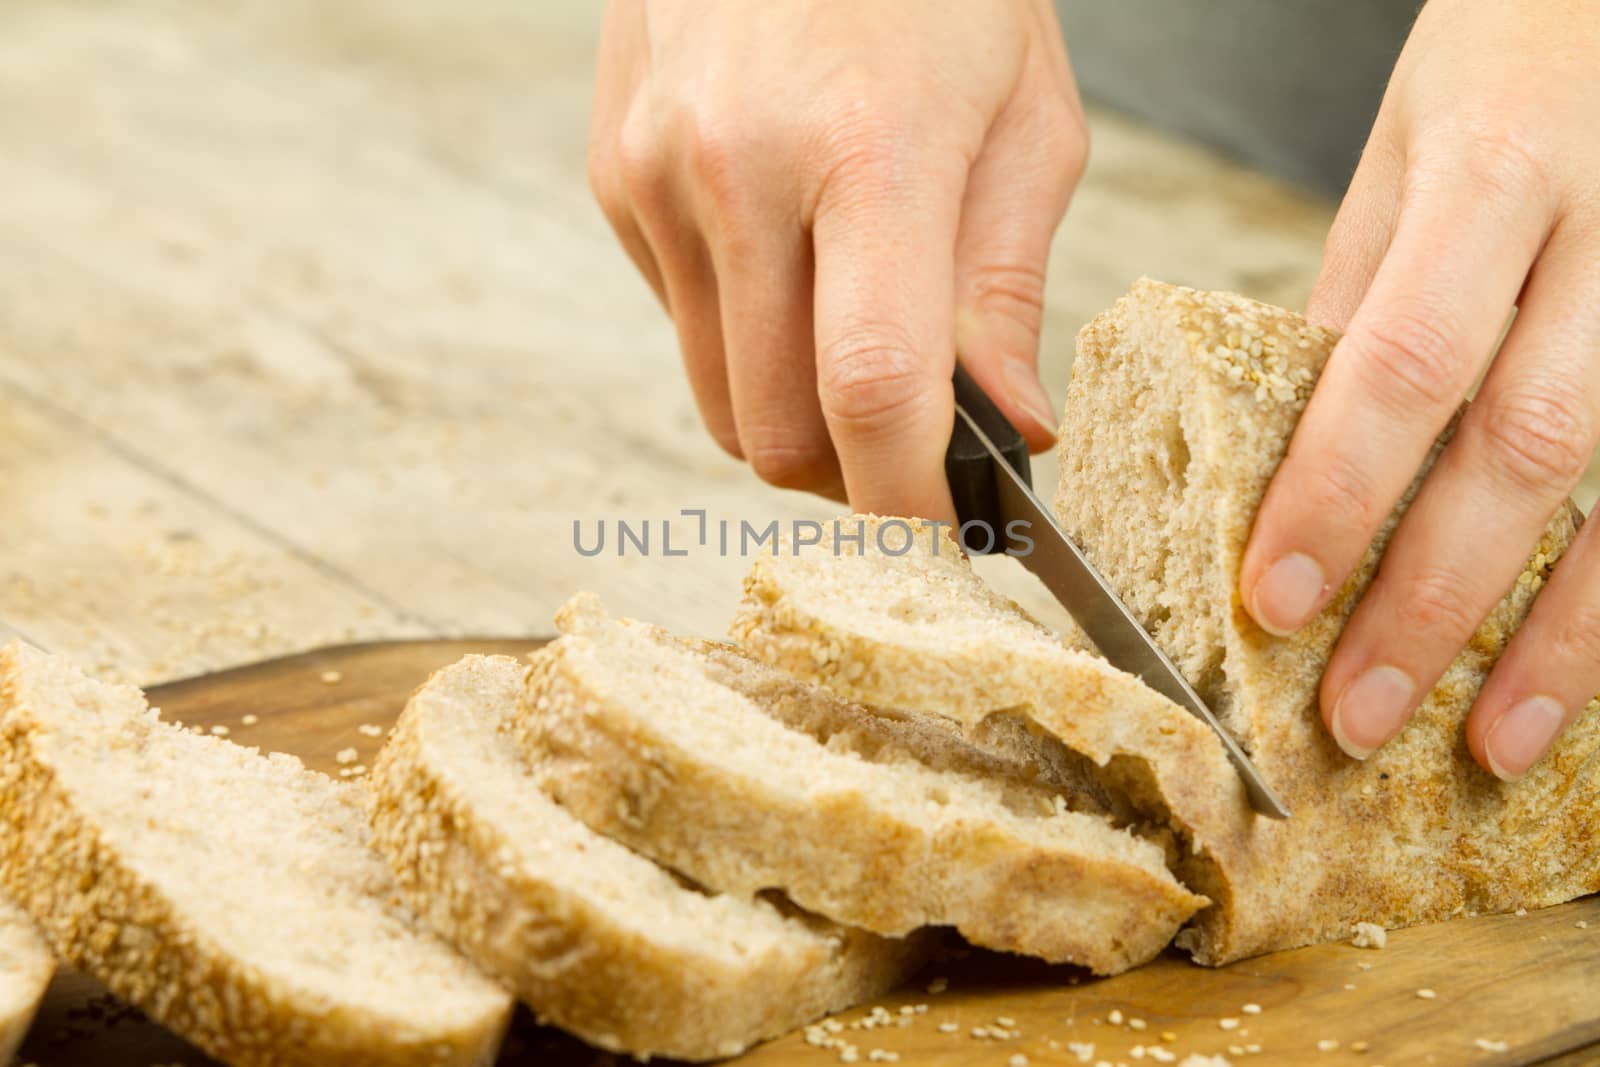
{"x": 1028, "y": 392}
{"x": 1521, "y": 735}
{"x": 1286, "y": 596}
{"x": 1372, "y": 709}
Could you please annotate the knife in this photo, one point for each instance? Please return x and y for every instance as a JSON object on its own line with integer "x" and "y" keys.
{"x": 987, "y": 467}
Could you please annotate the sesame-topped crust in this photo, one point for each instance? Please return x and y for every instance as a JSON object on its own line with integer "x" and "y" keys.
{"x": 25, "y": 969}
{"x": 595, "y": 938}
{"x": 231, "y": 896}
{"x": 632, "y": 735}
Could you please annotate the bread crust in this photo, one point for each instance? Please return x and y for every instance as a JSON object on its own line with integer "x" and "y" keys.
{"x": 600, "y": 966}
{"x": 841, "y": 849}
{"x": 99, "y": 912}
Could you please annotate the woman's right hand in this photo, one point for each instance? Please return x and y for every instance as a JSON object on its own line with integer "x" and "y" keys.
{"x": 830, "y": 199}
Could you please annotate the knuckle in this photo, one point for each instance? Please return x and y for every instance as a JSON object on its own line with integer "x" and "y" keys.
{"x": 717, "y": 153}
{"x": 1575, "y": 641}
{"x": 640, "y": 160}
{"x": 1015, "y": 290}
{"x": 1503, "y": 160}
{"x": 1435, "y": 603}
{"x": 1335, "y": 487}
{"x": 1540, "y": 440}
{"x": 867, "y": 377}
{"x": 1410, "y": 357}
{"x": 788, "y": 465}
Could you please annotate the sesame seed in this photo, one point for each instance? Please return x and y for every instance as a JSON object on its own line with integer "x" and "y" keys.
{"x": 1327, "y": 1044}
{"x": 1490, "y": 1045}
{"x": 1169, "y": 1036}
{"x": 1426, "y": 994}
{"x": 1359, "y": 1046}
{"x": 1251, "y": 1009}
{"x": 1017, "y": 1060}
{"x": 949, "y": 1028}
{"x": 249, "y": 720}
{"x": 1115, "y": 1018}
{"x": 368, "y": 729}
{"x": 220, "y": 730}
{"x": 331, "y": 677}
{"x": 1005, "y": 1021}
{"x": 1136, "y": 1024}
{"x": 1228, "y": 1024}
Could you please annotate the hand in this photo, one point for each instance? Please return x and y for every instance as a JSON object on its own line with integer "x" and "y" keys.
{"x": 1479, "y": 188}
{"x": 831, "y": 198}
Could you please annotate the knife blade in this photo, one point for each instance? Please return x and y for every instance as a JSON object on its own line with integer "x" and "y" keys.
{"x": 989, "y": 485}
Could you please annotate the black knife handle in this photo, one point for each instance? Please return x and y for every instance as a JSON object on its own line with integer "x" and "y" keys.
{"x": 969, "y": 471}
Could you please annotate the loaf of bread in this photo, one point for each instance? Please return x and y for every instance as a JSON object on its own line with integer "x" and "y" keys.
{"x": 634, "y": 734}
{"x": 1160, "y": 494}
{"x": 25, "y": 969}
{"x": 595, "y": 938}
{"x": 231, "y": 896}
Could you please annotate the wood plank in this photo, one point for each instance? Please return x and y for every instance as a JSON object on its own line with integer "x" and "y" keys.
{"x": 121, "y": 567}
{"x": 1527, "y": 981}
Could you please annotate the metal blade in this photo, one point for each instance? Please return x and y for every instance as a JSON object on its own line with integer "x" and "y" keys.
{"x": 1095, "y": 606}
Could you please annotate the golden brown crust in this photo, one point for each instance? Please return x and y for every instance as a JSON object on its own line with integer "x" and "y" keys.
{"x": 647, "y": 966}
{"x": 99, "y": 914}
{"x": 850, "y": 847}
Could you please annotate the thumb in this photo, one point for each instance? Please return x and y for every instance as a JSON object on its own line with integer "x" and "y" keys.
{"x": 1016, "y": 194}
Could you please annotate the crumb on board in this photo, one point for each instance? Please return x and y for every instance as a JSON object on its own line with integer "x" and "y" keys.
{"x": 346, "y": 756}
{"x": 1369, "y": 935}
{"x": 368, "y": 729}
{"x": 249, "y": 720}
{"x": 1426, "y": 994}
{"x": 1486, "y": 1044}
{"x": 219, "y": 730}
{"x": 331, "y": 677}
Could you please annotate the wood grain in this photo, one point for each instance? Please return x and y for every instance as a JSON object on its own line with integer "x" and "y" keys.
{"x": 1532, "y": 982}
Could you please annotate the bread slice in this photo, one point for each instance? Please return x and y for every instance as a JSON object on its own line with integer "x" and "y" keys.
{"x": 231, "y": 896}
{"x": 596, "y": 939}
{"x": 1160, "y": 493}
{"x": 634, "y": 735}
{"x": 25, "y": 969}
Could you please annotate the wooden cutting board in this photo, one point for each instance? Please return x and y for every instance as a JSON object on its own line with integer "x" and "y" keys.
{"x": 1531, "y": 982}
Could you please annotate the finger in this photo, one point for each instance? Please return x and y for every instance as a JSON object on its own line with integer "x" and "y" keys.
{"x": 1549, "y": 672}
{"x": 1426, "y": 326}
{"x": 1517, "y": 453}
{"x": 884, "y": 233}
{"x": 765, "y": 272}
{"x": 1359, "y": 237}
{"x": 618, "y": 72}
{"x": 1016, "y": 194}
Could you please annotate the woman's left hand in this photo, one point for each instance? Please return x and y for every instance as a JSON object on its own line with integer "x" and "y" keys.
{"x": 1479, "y": 189}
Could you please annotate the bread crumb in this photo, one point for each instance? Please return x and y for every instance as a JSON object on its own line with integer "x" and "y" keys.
{"x": 1005, "y": 1021}
{"x": 1369, "y": 935}
{"x": 1228, "y": 1024}
{"x": 1426, "y": 994}
{"x": 1162, "y": 1055}
{"x": 938, "y": 985}
{"x": 346, "y": 756}
{"x": 219, "y": 730}
{"x": 1327, "y": 1044}
{"x": 1115, "y": 1018}
{"x": 1136, "y": 1024}
{"x": 1521, "y": 913}
{"x": 882, "y": 1055}
{"x": 331, "y": 677}
{"x": 1364, "y": 966}
{"x": 1581, "y": 924}
{"x": 249, "y": 720}
{"x": 368, "y": 729}
{"x": 1251, "y": 1009}
{"x": 949, "y": 1028}
{"x": 1490, "y": 1045}
{"x": 1359, "y": 1046}
{"x": 1017, "y": 1060}
{"x": 1084, "y": 1050}
{"x": 1195, "y": 1059}
{"x": 1169, "y": 1036}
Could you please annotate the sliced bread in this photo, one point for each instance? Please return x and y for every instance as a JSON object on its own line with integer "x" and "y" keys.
{"x": 636, "y": 736}
{"x": 25, "y": 969}
{"x": 231, "y": 896}
{"x": 596, "y": 939}
{"x": 1160, "y": 493}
